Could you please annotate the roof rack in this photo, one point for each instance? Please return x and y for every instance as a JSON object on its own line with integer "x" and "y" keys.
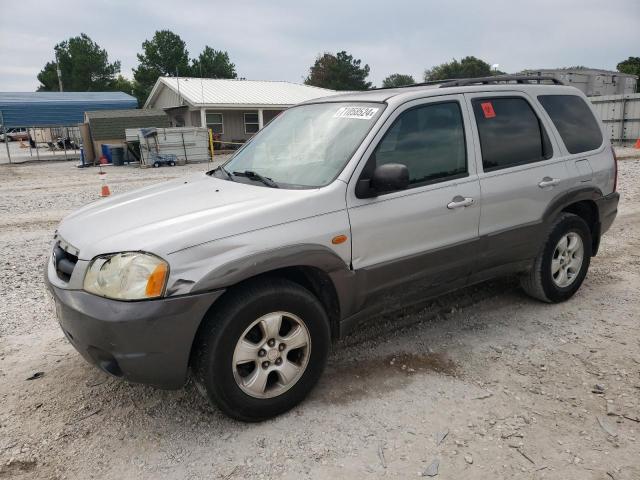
{"x": 462, "y": 82}
{"x": 421, "y": 84}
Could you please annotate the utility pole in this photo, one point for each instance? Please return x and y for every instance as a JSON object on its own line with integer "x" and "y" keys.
{"x": 59, "y": 72}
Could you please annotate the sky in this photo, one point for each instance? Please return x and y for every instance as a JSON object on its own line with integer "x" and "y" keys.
{"x": 279, "y": 40}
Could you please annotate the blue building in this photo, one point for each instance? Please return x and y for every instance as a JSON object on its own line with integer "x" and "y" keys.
{"x": 54, "y": 109}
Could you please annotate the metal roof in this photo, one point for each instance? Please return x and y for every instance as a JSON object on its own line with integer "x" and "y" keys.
{"x": 221, "y": 92}
{"x": 39, "y": 109}
{"x": 127, "y": 112}
{"x": 47, "y": 97}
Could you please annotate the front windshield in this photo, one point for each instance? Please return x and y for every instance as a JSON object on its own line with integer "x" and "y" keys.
{"x": 307, "y": 146}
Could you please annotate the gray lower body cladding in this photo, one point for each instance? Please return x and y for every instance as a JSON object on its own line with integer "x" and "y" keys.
{"x": 607, "y": 210}
{"x": 144, "y": 342}
{"x": 417, "y": 279}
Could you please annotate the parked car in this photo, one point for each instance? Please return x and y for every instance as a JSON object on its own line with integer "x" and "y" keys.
{"x": 339, "y": 209}
{"x": 13, "y": 134}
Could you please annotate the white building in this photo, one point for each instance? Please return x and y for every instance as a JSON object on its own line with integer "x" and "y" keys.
{"x": 591, "y": 81}
{"x": 233, "y": 109}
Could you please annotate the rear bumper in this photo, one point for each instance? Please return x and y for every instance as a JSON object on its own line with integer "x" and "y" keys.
{"x": 608, "y": 209}
{"x": 144, "y": 342}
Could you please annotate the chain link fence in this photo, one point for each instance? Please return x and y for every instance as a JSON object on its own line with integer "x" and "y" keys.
{"x": 24, "y": 144}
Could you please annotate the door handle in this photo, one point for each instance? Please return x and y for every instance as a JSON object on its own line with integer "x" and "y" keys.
{"x": 460, "y": 201}
{"x": 548, "y": 182}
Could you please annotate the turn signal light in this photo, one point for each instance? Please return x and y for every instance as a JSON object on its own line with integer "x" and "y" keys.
{"x": 338, "y": 239}
{"x": 155, "y": 284}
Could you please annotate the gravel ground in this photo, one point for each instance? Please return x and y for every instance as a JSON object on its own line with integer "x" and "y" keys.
{"x": 483, "y": 383}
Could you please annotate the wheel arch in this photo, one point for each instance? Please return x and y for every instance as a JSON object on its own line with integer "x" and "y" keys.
{"x": 588, "y": 211}
{"x": 583, "y": 203}
{"x": 314, "y": 267}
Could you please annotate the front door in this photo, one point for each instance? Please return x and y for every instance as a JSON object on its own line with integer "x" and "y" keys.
{"x": 415, "y": 241}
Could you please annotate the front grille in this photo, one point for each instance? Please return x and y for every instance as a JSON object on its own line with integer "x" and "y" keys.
{"x": 64, "y": 261}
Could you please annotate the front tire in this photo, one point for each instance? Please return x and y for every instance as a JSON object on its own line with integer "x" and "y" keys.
{"x": 562, "y": 265}
{"x": 261, "y": 351}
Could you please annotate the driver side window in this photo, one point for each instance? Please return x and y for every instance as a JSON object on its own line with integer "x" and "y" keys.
{"x": 429, "y": 140}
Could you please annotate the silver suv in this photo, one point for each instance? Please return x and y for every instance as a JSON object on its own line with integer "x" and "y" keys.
{"x": 337, "y": 209}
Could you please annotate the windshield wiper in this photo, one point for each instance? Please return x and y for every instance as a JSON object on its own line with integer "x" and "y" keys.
{"x": 256, "y": 176}
{"x": 229, "y": 176}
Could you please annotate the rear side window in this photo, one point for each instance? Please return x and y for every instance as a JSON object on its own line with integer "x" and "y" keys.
{"x": 429, "y": 140}
{"x": 510, "y": 133}
{"x": 574, "y": 120}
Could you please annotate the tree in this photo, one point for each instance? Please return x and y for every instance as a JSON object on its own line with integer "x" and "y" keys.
{"x": 164, "y": 55}
{"x": 122, "y": 84}
{"x": 48, "y": 78}
{"x": 84, "y": 67}
{"x": 632, "y": 66}
{"x": 397, "y": 80}
{"x": 338, "y": 72}
{"x": 213, "y": 64}
{"x": 468, "y": 67}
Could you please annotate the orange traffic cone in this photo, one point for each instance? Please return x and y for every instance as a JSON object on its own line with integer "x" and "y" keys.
{"x": 637, "y": 144}
{"x": 104, "y": 191}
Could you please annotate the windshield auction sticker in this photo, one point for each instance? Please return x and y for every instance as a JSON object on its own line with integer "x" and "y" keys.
{"x": 362, "y": 113}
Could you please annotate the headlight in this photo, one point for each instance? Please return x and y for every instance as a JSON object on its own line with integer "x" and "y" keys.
{"x": 127, "y": 276}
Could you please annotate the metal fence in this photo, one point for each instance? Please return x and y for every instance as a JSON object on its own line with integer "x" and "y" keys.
{"x": 23, "y": 144}
{"x": 184, "y": 144}
{"x": 620, "y": 115}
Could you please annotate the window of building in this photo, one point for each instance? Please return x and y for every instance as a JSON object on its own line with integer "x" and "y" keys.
{"x": 251, "y": 124}
{"x": 510, "y": 133}
{"x": 574, "y": 120}
{"x": 214, "y": 122}
{"x": 429, "y": 140}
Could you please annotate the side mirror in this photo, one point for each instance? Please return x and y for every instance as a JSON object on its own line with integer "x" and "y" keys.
{"x": 390, "y": 177}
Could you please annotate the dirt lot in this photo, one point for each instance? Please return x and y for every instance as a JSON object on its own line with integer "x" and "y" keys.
{"x": 485, "y": 382}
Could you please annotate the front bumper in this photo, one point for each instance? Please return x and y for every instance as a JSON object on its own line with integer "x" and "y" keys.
{"x": 144, "y": 342}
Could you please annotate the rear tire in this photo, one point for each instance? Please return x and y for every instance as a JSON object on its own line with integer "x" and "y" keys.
{"x": 562, "y": 265}
{"x": 242, "y": 326}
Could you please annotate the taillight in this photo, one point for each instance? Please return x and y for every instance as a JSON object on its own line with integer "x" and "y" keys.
{"x": 615, "y": 169}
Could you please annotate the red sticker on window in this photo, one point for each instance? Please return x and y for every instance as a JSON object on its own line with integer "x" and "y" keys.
{"x": 487, "y": 108}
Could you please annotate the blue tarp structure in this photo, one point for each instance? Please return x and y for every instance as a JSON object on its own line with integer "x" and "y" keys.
{"x": 52, "y": 109}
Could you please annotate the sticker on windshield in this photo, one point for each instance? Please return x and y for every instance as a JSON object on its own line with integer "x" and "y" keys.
{"x": 362, "y": 113}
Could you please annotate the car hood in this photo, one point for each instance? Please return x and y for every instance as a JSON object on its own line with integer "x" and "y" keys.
{"x": 171, "y": 216}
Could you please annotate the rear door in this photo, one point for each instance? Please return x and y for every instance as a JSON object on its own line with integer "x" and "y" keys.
{"x": 589, "y": 160}
{"x": 423, "y": 237}
{"x": 520, "y": 170}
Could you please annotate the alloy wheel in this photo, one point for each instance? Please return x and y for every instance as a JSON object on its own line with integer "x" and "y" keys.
{"x": 567, "y": 259}
{"x": 271, "y": 355}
